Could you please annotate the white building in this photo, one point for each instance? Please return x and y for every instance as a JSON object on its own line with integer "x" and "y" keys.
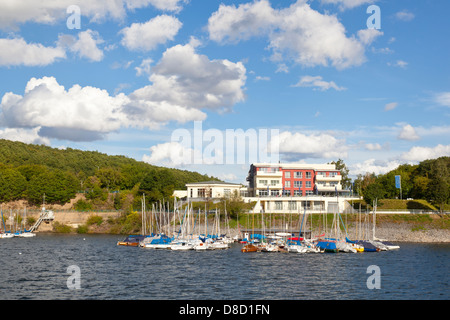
{"x": 281, "y": 188}
{"x": 198, "y": 191}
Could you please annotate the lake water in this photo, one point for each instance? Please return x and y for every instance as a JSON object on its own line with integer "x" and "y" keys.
{"x": 37, "y": 268}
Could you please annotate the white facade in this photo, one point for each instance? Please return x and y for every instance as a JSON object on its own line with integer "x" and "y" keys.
{"x": 211, "y": 189}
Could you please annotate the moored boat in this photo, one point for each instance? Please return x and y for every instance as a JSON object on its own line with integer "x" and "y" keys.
{"x": 181, "y": 245}
{"x": 131, "y": 241}
{"x": 327, "y": 246}
{"x": 250, "y": 247}
{"x": 6, "y": 235}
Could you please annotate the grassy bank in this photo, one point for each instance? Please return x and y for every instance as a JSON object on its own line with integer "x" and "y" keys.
{"x": 397, "y": 204}
{"x": 131, "y": 223}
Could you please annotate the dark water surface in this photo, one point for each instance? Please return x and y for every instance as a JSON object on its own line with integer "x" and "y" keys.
{"x": 36, "y": 268}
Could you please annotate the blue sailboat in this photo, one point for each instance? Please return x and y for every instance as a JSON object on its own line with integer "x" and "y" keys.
{"x": 5, "y": 234}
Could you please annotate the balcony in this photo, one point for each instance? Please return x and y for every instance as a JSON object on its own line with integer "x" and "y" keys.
{"x": 277, "y": 174}
{"x": 277, "y": 186}
{"x": 328, "y": 187}
{"x": 329, "y": 178}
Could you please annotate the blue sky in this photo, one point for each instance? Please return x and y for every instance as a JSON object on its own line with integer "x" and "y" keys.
{"x": 138, "y": 71}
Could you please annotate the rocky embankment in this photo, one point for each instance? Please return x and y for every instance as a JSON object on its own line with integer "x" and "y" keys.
{"x": 406, "y": 233}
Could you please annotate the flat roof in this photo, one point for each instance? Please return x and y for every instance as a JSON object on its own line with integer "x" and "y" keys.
{"x": 214, "y": 182}
{"x": 319, "y": 166}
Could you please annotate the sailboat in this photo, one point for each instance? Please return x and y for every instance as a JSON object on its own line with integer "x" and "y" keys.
{"x": 25, "y": 233}
{"x": 295, "y": 244}
{"x": 249, "y": 246}
{"x": 4, "y": 234}
{"x": 135, "y": 240}
{"x": 382, "y": 244}
{"x": 300, "y": 244}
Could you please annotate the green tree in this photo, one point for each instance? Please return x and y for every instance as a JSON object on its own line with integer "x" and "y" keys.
{"x": 346, "y": 182}
{"x": 373, "y": 192}
{"x": 57, "y": 185}
{"x": 439, "y": 187}
{"x": 12, "y": 185}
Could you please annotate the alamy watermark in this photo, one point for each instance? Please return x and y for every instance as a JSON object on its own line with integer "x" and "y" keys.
{"x": 74, "y": 20}
{"x": 374, "y": 280}
{"x": 374, "y": 21}
{"x": 231, "y": 146}
{"x": 74, "y": 281}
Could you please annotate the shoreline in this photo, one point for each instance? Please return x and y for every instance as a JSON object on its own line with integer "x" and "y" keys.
{"x": 402, "y": 228}
{"x": 388, "y": 232}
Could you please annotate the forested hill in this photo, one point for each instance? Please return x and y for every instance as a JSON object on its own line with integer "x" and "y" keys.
{"x": 28, "y": 171}
{"x": 428, "y": 180}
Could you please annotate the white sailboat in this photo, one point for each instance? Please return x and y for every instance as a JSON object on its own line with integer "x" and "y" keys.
{"x": 25, "y": 233}
{"x": 4, "y": 234}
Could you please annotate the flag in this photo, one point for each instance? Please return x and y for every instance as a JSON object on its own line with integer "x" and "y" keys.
{"x": 398, "y": 182}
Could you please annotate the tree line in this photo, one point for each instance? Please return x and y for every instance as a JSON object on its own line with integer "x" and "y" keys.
{"x": 29, "y": 171}
{"x": 428, "y": 180}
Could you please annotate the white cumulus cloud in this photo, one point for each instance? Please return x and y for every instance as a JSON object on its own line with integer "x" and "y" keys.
{"x": 86, "y": 46}
{"x": 190, "y": 80}
{"x": 318, "y": 83}
{"x": 417, "y": 154}
{"x": 347, "y": 4}
{"x": 79, "y": 113}
{"x": 298, "y": 146}
{"x": 373, "y": 166}
{"x": 147, "y": 36}
{"x": 171, "y": 154}
{"x": 297, "y": 33}
{"x": 17, "y": 51}
{"x": 443, "y": 98}
{"x": 182, "y": 84}
{"x": 408, "y": 133}
{"x": 15, "y": 13}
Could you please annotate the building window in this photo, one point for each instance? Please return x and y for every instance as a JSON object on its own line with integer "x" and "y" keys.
{"x": 298, "y": 174}
{"x": 318, "y": 205}
{"x": 262, "y": 193}
{"x": 273, "y": 182}
{"x": 192, "y": 191}
{"x": 274, "y": 192}
{"x": 333, "y": 174}
{"x": 263, "y": 182}
{"x": 278, "y": 205}
{"x": 263, "y": 169}
{"x": 287, "y": 184}
{"x": 308, "y": 175}
{"x": 227, "y": 192}
{"x": 287, "y": 174}
{"x": 292, "y": 205}
{"x": 287, "y": 193}
{"x": 298, "y": 193}
{"x": 201, "y": 193}
{"x": 298, "y": 184}
{"x": 309, "y": 192}
{"x": 307, "y": 184}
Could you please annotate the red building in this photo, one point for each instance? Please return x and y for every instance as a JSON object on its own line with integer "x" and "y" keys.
{"x": 287, "y": 179}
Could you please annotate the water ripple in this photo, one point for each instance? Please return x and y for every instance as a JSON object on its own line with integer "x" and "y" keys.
{"x": 36, "y": 269}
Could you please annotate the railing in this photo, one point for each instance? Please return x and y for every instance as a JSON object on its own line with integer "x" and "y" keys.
{"x": 397, "y": 211}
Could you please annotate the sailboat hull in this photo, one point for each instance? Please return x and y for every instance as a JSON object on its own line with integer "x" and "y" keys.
{"x": 249, "y": 248}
